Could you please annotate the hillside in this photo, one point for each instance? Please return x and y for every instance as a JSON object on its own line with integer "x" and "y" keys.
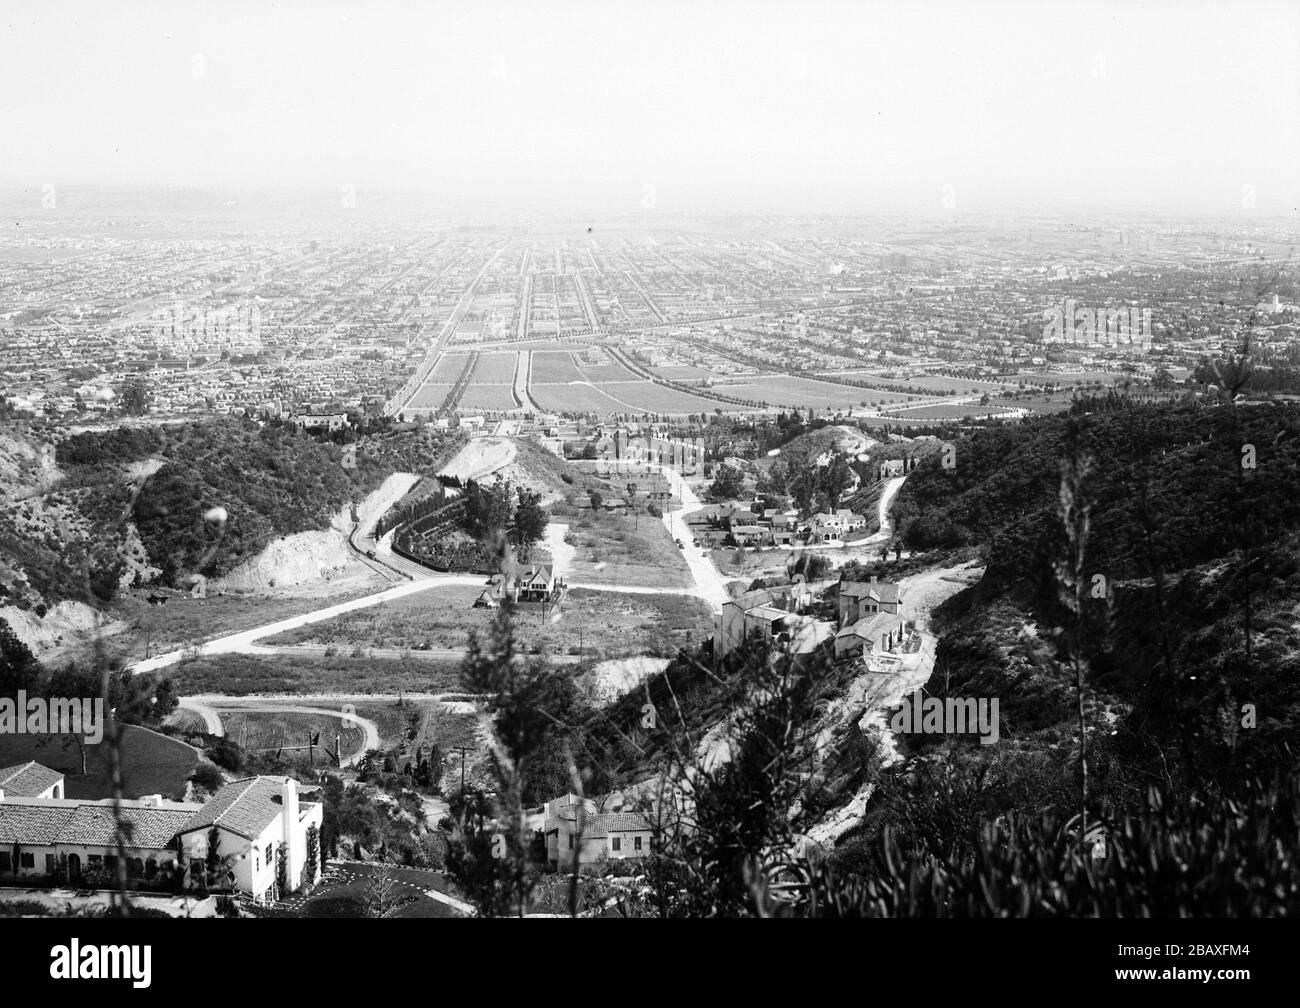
{"x": 87, "y": 515}
{"x": 1200, "y": 630}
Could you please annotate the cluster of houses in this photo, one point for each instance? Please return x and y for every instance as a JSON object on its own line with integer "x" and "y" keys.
{"x": 264, "y": 836}
{"x": 760, "y": 526}
{"x": 870, "y": 624}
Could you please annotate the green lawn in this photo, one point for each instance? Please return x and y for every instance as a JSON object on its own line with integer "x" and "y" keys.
{"x": 151, "y": 763}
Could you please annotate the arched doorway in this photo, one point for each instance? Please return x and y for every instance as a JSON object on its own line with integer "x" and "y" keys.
{"x": 74, "y": 866}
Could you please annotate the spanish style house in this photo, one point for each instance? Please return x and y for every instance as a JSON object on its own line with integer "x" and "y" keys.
{"x": 30, "y": 780}
{"x": 260, "y": 828}
{"x": 574, "y": 829}
{"x": 259, "y": 823}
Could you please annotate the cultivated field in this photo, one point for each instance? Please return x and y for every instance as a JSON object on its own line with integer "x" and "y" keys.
{"x": 430, "y": 396}
{"x": 610, "y": 371}
{"x": 575, "y": 398}
{"x": 488, "y": 397}
{"x": 448, "y": 369}
{"x": 658, "y": 399}
{"x": 788, "y": 390}
{"x": 551, "y": 366}
{"x": 494, "y": 369}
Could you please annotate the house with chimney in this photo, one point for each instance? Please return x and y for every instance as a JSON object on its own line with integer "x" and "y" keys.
{"x": 257, "y": 823}
{"x": 871, "y": 621}
{"x": 536, "y": 583}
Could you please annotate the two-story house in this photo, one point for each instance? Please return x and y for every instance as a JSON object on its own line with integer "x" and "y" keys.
{"x": 259, "y": 822}
{"x": 574, "y": 829}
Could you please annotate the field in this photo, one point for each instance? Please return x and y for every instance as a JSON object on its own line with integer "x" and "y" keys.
{"x": 605, "y": 624}
{"x": 429, "y": 396}
{"x": 244, "y": 675}
{"x": 789, "y": 390}
{"x": 184, "y": 621}
{"x": 683, "y": 372}
{"x": 448, "y": 369}
{"x": 552, "y": 366}
{"x": 949, "y": 411}
{"x": 151, "y": 763}
{"x": 610, "y": 371}
{"x": 488, "y": 397}
{"x": 494, "y": 369}
{"x": 269, "y": 730}
{"x": 658, "y": 399}
{"x": 576, "y": 399}
{"x": 622, "y": 550}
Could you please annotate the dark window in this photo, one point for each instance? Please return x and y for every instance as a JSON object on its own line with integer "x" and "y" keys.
{"x": 570, "y": 841}
{"x": 618, "y": 843}
{"x": 27, "y": 860}
{"x": 51, "y": 865}
{"x": 636, "y": 843}
{"x": 5, "y": 864}
{"x": 94, "y": 860}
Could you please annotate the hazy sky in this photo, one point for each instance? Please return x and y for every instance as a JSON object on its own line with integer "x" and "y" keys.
{"x": 793, "y": 105}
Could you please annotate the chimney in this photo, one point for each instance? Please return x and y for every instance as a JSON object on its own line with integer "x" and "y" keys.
{"x": 873, "y": 580}
{"x": 293, "y": 857}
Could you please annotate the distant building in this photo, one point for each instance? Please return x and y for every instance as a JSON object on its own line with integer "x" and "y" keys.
{"x": 328, "y": 422}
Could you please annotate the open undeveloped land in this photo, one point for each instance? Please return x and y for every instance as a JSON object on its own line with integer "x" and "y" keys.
{"x": 622, "y": 550}
{"x": 244, "y": 675}
{"x": 603, "y": 624}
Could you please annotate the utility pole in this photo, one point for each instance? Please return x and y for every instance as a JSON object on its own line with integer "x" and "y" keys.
{"x": 462, "y": 750}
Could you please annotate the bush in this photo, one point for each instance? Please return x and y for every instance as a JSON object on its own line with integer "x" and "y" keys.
{"x": 208, "y": 777}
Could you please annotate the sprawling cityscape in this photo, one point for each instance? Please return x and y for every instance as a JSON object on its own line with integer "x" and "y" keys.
{"x": 505, "y": 537}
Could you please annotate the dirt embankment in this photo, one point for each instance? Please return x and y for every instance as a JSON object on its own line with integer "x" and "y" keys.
{"x": 309, "y": 560}
{"x": 65, "y": 627}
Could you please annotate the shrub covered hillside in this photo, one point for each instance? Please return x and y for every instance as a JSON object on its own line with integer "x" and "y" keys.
{"x": 1188, "y": 633}
{"x": 133, "y": 503}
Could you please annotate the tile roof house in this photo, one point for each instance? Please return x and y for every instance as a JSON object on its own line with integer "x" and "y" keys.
{"x": 605, "y": 836}
{"x": 44, "y": 835}
{"x": 257, "y": 822}
{"x": 30, "y": 780}
{"x": 48, "y": 837}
